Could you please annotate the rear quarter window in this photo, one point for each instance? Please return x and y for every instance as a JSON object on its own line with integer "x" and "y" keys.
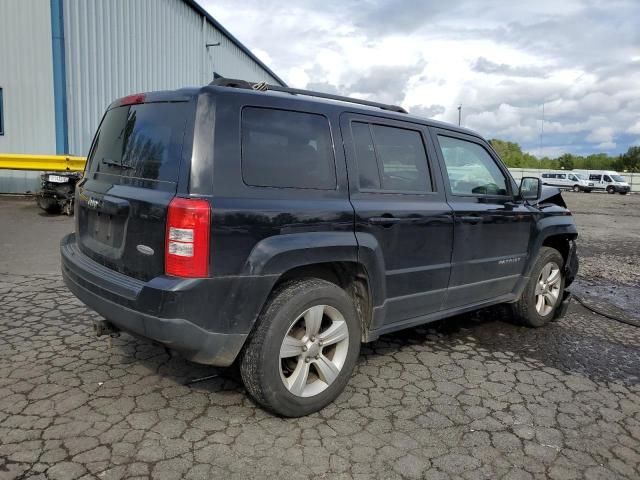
{"x": 287, "y": 149}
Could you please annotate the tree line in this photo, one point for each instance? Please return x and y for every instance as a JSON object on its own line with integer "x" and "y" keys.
{"x": 513, "y": 156}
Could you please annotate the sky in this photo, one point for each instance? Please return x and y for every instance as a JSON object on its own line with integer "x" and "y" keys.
{"x": 502, "y": 60}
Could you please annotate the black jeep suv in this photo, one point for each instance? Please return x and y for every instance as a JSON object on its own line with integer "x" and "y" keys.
{"x": 280, "y": 229}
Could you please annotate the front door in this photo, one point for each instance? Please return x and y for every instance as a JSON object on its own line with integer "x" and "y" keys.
{"x": 492, "y": 231}
{"x": 398, "y": 196}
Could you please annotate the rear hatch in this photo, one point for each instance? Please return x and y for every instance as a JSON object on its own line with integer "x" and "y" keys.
{"x": 131, "y": 176}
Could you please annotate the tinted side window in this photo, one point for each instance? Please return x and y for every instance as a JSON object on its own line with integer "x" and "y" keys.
{"x": 403, "y": 159}
{"x": 594, "y": 177}
{"x": 368, "y": 174}
{"x": 470, "y": 169}
{"x": 607, "y": 178}
{"x": 281, "y": 148}
{"x": 390, "y": 159}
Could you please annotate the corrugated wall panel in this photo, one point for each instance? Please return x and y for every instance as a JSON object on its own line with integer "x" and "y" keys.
{"x": 26, "y": 77}
{"x": 118, "y": 47}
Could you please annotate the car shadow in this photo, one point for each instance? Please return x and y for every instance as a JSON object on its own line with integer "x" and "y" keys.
{"x": 582, "y": 343}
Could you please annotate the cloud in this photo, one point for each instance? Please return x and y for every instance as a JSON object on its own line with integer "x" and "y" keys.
{"x": 606, "y": 146}
{"x": 601, "y": 134}
{"x": 635, "y": 128}
{"x": 483, "y": 65}
{"x": 501, "y": 60}
{"x": 429, "y": 111}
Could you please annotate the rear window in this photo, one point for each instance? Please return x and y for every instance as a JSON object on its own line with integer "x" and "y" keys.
{"x": 140, "y": 142}
{"x": 286, "y": 149}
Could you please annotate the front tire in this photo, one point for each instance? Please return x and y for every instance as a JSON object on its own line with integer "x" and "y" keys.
{"x": 611, "y": 190}
{"x": 303, "y": 349}
{"x": 543, "y": 294}
{"x": 576, "y": 188}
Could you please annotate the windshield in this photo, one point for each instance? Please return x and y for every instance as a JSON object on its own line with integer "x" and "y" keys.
{"x": 581, "y": 176}
{"x": 617, "y": 178}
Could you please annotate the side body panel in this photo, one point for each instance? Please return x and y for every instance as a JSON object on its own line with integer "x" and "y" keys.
{"x": 261, "y": 232}
{"x": 412, "y": 252}
{"x": 492, "y": 237}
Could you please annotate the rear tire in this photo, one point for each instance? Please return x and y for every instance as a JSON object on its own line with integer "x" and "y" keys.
{"x": 303, "y": 349}
{"x": 543, "y": 294}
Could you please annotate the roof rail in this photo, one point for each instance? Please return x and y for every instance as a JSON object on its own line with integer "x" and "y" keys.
{"x": 262, "y": 86}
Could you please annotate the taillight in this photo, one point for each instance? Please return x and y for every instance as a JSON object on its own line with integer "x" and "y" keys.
{"x": 186, "y": 252}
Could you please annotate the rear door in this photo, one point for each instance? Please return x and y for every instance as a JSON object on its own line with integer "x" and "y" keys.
{"x": 492, "y": 231}
{"x": 131, "y": 176}
{"x": 398, "y": 198}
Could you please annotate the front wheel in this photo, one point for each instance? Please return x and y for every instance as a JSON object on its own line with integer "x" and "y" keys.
{"x": 303, "y": 349}
{"x": 611, "y": 190}
{"x": 543, "y": 293}
{"x": 576, "y": 188}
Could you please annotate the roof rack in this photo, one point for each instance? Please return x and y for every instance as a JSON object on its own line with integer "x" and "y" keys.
{"x": 262, "y": 87}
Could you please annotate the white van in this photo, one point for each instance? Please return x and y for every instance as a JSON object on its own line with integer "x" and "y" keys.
{"x": 607, "y": 180}
{"x": 570, "y": 180}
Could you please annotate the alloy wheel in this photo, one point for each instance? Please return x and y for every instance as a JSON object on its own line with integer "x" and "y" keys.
{"x": 314, "y": 350}
{"x": 548, "y": 288}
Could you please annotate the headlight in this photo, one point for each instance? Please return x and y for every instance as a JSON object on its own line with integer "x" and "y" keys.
{"x": 57, "y": 179}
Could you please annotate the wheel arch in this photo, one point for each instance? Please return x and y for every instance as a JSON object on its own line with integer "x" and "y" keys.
{"x": 555, "y": 232}
{"x": 332, "y": 256}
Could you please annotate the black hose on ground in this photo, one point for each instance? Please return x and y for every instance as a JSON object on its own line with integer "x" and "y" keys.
{"x": 604, "y": 314}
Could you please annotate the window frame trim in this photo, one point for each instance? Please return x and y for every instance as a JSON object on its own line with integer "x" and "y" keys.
{"x": 509, "y": 181}
{"x": 380, "y": 122}
{"x": 336, "y": 185}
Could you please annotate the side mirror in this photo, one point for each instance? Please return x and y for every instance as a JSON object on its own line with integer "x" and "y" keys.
{"x": 530, "y": 188}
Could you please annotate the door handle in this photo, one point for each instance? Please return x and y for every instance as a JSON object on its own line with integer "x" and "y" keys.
{"x": 384, "y": 221}
{"x": 470, "y": 219}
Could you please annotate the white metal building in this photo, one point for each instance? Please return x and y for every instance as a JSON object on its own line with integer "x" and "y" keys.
{"x": 62, "y": 62}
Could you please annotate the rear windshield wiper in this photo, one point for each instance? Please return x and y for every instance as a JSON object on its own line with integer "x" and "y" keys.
{"x": 115, "y": 164}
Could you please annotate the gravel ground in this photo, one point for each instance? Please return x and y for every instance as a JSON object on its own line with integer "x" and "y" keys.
{"x": 472, "y": 397}
{"x": 609, "y": 248}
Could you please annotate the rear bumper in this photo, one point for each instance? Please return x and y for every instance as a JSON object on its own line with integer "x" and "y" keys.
{"x": 153, "y": 309}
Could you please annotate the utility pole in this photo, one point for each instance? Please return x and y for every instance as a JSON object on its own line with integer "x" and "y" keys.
{"x": 459, "y": 113}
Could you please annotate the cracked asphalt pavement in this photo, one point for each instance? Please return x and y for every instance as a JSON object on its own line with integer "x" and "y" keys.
{"x": 470, "y": 397}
